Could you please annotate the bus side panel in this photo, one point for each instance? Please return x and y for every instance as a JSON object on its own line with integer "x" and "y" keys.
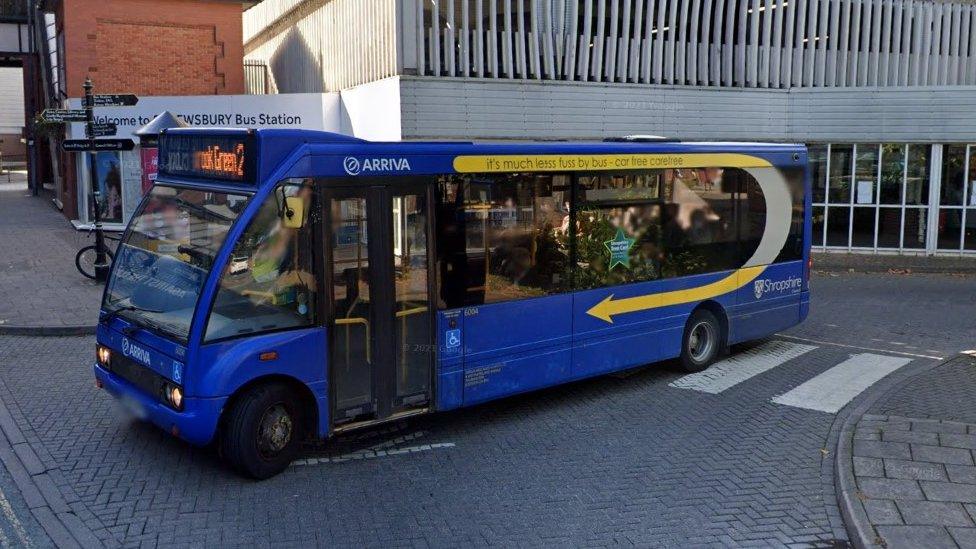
{"x": 769, "y": 303}
{"x": 516, "y": 346}
{"x": 638, "y": 337}
{"x": 450, "y": 359}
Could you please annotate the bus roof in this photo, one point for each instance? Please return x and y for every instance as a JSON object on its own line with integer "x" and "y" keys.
{"x": 252, "y": 156}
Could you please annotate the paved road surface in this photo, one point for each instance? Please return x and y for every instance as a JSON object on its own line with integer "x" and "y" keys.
{"x": 736, "y": 456}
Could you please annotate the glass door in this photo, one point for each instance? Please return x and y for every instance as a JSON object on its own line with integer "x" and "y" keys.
{"x": 380, "y": 328}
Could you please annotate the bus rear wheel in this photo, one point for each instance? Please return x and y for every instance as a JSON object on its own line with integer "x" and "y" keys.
{"x": 702, "y": 341}
{"x": 263, "y": 431}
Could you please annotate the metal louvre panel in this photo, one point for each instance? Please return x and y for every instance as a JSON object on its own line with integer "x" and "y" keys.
{"x": 721, "y": 43}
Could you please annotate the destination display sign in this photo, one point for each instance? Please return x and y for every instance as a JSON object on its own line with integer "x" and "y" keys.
{"x": 84, "y": 145}
{"x": 223, "y": 157}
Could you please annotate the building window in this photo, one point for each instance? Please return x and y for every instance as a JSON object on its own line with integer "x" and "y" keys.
{"x": 957, "y": 199}
{"x": 872, "y": 196}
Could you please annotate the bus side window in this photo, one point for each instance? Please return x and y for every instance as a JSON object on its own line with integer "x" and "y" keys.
{"x": 751, "y": 211}
{"x": 502, "y": 237}
{"x": 648, "y": 225}
{"x": 701, "y": 218}
{"x": 269, "y": 282}
{"x": 793, "y": 249}
{"x": 618, "y": 233}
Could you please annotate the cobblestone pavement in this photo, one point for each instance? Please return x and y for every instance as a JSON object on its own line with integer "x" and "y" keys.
{"x": 913, "y": 460}
{"x": 652, "y": 458}
{"x": 37, "y": 272}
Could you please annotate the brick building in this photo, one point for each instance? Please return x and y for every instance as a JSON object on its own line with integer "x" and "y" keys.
{"x": 146, "y": 47}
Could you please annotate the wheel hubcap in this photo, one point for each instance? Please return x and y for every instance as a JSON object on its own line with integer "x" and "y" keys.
{"x": 701, "y": 341}
{"x": 275, "y": 431}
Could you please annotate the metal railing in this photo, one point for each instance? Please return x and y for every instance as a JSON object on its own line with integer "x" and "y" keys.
{"x": 257, "y": 78}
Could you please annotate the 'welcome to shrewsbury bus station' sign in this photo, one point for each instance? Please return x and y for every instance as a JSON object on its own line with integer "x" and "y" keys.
{"x": 313, "y": 111}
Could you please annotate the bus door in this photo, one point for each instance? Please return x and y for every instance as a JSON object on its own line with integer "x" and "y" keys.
{"x": 381, "y": 353}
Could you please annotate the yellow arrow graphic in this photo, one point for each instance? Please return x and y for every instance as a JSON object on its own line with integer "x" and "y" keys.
{"x": 609, "y": 307}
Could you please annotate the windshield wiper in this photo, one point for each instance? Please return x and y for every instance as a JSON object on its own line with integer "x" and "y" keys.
{"x": 108, "y": 317}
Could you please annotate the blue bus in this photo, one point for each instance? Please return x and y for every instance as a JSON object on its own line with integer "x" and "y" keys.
{"x": 281, "y": 285}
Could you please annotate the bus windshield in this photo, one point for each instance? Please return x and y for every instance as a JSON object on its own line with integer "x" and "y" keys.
{"x": 162, "y": 264}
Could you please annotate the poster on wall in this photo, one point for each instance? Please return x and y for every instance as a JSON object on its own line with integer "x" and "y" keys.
{"x": 150, "y": 167}
{"x": 108, "y": 186}
{"x": 865, "y": 191}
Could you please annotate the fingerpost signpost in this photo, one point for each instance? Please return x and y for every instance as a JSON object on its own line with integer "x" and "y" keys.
{"x": 91, "y": 145}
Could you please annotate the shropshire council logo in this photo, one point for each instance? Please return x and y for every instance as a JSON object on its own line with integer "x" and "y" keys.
{"x": 764, "y": 286}
{"x": 757, "y": 288}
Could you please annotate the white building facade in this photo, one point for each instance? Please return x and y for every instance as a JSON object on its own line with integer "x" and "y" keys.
{"x": 883, "y": 91}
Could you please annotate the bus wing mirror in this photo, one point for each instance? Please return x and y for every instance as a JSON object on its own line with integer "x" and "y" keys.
{"x": 293, "y": 214}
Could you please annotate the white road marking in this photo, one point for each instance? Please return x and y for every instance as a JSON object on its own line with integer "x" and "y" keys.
{"x": 971, "y": 352}
{"x": 8, "y": 512}
{"x": 831, "y": 390}
{"x": 373, "y": 454}
{"x": 860, "y": 348}
{"x": 382, "y": 449}
{"x": 738, "y": 368}
{"x": 398, "y": 440}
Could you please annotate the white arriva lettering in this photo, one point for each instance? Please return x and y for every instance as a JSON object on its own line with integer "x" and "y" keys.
{"x": 384, "y": 165}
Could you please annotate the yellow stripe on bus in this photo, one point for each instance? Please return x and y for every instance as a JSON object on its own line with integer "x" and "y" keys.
{"x": 597, "y": 162}
{"x": 606, "y": 309}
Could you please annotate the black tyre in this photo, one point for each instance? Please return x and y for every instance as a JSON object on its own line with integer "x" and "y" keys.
{"x": 262, "y": 431}
{"x": 702, "y": 342}
{"x": 85, "y": 260}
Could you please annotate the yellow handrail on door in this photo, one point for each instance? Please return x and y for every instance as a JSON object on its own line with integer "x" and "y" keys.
{"x": 402, "y": 315}
{"x": 369, "y": 343}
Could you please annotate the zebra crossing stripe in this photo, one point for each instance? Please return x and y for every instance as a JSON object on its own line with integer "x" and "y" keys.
{"x": 833, "y": 389}
{"x": 736, "y": 369}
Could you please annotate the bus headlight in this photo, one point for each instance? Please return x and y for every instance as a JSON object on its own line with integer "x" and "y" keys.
{"x": 174, "y": 394}
{"x": 103, "y": 354}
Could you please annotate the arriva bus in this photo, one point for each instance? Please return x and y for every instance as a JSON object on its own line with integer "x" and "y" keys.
{"x": 280, "y": 285}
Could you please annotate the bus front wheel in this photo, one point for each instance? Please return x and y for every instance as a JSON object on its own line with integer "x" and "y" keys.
{"x": 702, "y": 341}
{"x": 263, "y": 431}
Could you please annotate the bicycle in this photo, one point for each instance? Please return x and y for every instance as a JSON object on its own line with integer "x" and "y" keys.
{"x": 85, "y": 258}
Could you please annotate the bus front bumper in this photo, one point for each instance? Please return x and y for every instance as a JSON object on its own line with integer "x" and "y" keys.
{"x": 196, "y": 423}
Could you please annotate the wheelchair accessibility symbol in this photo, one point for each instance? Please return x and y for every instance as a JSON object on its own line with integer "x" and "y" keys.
{"x": 453, "y": 338}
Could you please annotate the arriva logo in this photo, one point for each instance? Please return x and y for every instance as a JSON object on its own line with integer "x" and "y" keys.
{"x": 763, "y": 286}
{"x": 132, "y": 350}
{"x": 354, "y": 166}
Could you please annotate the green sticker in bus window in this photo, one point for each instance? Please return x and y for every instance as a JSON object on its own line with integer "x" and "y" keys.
{"x": 619, "y": 249}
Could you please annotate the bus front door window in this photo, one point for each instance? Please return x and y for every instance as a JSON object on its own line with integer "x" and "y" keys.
{"x": 352, "y": 341}
{"x": 381, "y": 352}
{"x": 412, "y": 322}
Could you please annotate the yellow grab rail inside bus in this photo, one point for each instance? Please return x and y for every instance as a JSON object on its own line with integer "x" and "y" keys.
{"x": 369, "y": 343}
{"x": 402, "y": 315}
